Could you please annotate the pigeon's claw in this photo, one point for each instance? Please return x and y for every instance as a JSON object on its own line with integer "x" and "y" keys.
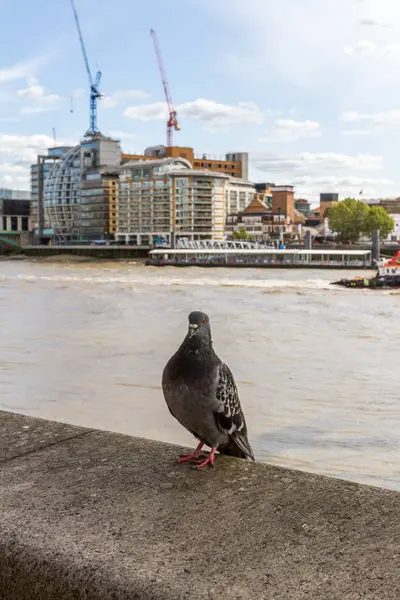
{"x": 208, "y": 461}
{"x": 189, "y": 457}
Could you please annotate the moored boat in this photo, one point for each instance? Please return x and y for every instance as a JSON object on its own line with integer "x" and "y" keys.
{"x": 387, "y": 276}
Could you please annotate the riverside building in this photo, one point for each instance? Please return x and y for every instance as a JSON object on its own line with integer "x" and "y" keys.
{"x": 166, "y": 198}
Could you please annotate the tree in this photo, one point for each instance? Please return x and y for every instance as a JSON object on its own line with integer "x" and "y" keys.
{"x": 241, "y": 234}
{"x": 349, "y": 219}
{"x": 352, "y": 219}
{"x": 379, "y": 218}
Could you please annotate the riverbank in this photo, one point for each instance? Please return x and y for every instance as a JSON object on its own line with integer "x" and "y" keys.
{"x": 90, "y": 514}
{"x": 71, "y": 258}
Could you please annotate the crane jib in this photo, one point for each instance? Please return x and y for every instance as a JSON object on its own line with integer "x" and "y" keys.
{"x": 94, "y": 86}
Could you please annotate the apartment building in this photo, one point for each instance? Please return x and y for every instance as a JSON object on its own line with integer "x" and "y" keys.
{"x": 269, "y": 217}
{"x": 166, "y": 198}
{"x": 238, "y": 194}
{"x": 260, "y": 223}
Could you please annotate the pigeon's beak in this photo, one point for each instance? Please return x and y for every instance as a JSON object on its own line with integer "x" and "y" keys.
{"x": 192, "y": 329}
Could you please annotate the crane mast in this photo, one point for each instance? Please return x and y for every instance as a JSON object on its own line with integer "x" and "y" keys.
{"x": 93, "y": 84}
{"x": 172, "y": 123}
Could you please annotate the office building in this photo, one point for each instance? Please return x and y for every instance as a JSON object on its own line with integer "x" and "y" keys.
{"x": 75, "y": 189}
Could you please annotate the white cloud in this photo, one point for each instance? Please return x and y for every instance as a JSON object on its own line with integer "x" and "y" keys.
{"x": 122, "y": 97}
{"x": 320, "y": 162}
{"x": 344, "y": 186}
{"x": 313, "y": 61}
{"x": 218, "y": 116}
{"x": 39, "y": 100}
{"x": 123, "y": 135}
{"x": 369, "y": 22}
{"x": 23, "y": 149}
{"x": 361, "y": 47}
{"x": 18, "y": 152}
{"x": 371, "y": 122}
{"x": 341, "y": 182}
{"x": 22, "y": 70}
{"x": 372, "y": 49}
{"x": 287, "y": 130}
{"x": 10, "y": 168}
{"x": 14, "y": 176}
{"x": 157, "y": 111}
{"x": 323, "y": 172}
{"x": 30, "y": 110}
{"x": 37, "y": 93}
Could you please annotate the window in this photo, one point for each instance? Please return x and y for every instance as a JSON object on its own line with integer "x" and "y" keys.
{"x": 181, "y": 182}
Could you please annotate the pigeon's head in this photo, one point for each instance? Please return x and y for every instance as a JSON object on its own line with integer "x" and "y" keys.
{"x": 199, "y": 325}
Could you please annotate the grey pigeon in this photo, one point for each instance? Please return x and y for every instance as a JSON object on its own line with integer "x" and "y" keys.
{"x": 201, "y": 394}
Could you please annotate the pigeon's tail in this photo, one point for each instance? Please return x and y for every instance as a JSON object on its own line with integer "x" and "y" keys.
{"x": 237, "y": 446}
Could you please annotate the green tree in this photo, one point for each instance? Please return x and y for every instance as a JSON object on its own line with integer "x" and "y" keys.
{"x": 379, "y": 218}
{"x": 349, "y": 219}
{"x": 241, "y": 234}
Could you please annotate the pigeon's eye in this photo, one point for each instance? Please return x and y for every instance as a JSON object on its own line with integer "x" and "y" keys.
{"x": 204, "y": 321}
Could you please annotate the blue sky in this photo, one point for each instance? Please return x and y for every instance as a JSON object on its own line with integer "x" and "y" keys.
{"x": 309, "y": 88}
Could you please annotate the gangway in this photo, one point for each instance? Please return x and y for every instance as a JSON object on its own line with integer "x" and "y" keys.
{"x": 220, "y": 244}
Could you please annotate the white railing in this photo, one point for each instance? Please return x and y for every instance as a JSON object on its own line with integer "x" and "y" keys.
{"x": 218, "y": 244}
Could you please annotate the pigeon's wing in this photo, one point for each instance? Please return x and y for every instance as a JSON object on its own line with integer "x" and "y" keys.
{"x": 228, "y": 414}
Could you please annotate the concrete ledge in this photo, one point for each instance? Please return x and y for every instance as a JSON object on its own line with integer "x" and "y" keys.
{"x": 96, "y": 515}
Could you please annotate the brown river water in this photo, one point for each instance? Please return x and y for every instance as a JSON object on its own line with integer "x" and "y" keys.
{"x": 317, "y": 367}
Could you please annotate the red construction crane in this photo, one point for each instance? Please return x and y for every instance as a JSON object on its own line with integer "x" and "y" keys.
{"x": 172, "y": 122}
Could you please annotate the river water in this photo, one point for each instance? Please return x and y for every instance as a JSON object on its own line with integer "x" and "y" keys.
{"x": 317, "y": 367}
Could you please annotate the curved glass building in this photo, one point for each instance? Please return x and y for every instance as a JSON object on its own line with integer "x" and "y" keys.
{"x": 62, "y": 194}
{"x": 74, "y": 191}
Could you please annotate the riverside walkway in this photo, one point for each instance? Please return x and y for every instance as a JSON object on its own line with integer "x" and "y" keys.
{"x": 93, "y": 515}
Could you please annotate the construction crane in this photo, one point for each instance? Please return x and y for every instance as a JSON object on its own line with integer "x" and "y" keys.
{"x": 172, "y": 122}
{"x": 94, "y": 85}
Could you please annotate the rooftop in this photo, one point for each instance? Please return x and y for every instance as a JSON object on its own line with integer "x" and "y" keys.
{"x": 157, "y": 161}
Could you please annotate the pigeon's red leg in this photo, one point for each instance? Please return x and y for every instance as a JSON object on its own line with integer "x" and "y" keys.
{"x": 192, "y": 456}
{"x": 208, "y": 461}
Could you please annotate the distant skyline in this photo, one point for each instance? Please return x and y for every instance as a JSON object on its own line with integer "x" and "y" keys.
{"x": 309, "y": 88}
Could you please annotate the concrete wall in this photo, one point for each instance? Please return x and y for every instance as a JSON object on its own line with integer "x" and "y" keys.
{"x": 103, "y": 252}
{"x": 99, "y": 516}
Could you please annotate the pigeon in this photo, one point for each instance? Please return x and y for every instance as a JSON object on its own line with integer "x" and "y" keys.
{"x": 201, "y": 394}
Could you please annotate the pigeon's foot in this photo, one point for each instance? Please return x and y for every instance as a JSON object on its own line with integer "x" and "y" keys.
{"x": 189, "y": 457}
{"x": 208, "y": 461}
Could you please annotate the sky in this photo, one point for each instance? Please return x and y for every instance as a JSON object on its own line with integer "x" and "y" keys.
{"x": 310, "y": 88}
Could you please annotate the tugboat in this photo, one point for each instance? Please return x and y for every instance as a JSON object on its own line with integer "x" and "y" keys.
{"x": 388, "y": 276}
